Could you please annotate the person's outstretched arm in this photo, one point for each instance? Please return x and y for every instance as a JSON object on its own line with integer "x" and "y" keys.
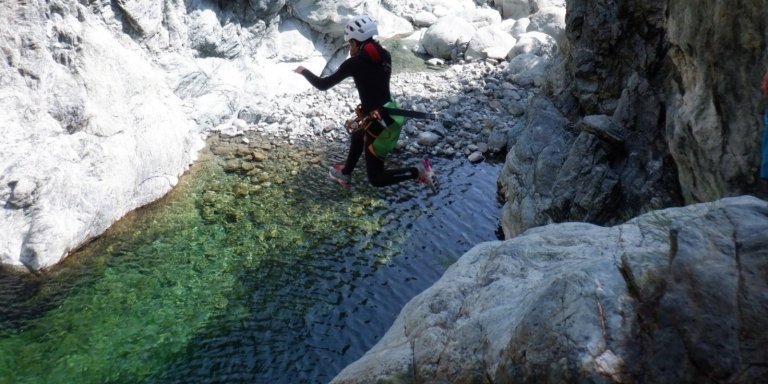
{"x": 324, "y": 83}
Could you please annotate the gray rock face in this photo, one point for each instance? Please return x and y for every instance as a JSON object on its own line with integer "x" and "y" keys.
{"x": 660, "y": 70}
{"x": 610, "y": 54}
{"x": 534, "y": 155}
{"x": 552, "y": 174}
{"x": 674, "y": 129}
{"x": 671, "y": 296}
{"x": 713, "y": 108}
{"x": 90, "y": 131}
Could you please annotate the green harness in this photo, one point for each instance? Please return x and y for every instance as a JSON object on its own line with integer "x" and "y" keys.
{"x": 387, "y": 140}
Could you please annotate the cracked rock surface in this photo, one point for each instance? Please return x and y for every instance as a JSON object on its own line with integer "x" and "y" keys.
{"x": 678, "y": 295}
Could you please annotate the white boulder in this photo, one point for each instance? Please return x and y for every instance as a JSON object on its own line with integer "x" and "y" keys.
{"x": 424, "y": 19}
{"x": 413, "y": 41}
{"x": 527, "y": 69}
{"x": 390, "y": 24}
{"x": 551, "y": 21}
{"x": 537, "y": 5}
{"x": 536, "y": 43}
{"x": 513, "y": 9}
{"x": 296, "y": 42}
{"x": 490, "y": 41}
{"x": 482, "y": 17}
{"x": 443, "y": 36}
{"x": 328, "y": 17}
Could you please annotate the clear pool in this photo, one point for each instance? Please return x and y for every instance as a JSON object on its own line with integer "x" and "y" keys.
{"x": 274, "y": 275}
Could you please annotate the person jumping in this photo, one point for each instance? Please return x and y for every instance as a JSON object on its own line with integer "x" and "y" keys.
{"x": 376, "y": 132}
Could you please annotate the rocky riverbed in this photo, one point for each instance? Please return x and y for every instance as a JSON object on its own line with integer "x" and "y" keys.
{"x": 477, "y": 104}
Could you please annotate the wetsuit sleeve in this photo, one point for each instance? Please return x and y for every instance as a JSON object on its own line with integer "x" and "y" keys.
{"x": 346, "y": 69}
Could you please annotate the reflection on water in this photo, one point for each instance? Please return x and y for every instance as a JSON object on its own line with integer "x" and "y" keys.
{"x": 266, "y": 274}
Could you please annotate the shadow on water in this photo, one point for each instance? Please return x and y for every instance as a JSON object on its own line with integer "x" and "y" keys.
{"x": 308, "y": 317}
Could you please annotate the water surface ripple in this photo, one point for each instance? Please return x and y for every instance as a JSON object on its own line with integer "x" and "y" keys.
{"x": 219, "y": 295}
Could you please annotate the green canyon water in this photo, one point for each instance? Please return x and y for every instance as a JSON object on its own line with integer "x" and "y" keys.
{"x": 255, "y": 268}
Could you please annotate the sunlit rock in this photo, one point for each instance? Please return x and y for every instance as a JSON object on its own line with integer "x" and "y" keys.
{"x": 443, "y": 36}
{"x": 486, "y": 41}
{"x": 669, "y": 296}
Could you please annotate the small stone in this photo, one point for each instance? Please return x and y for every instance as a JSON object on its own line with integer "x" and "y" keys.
{"x": 428, "y": 139}
{"x": 436, "y": 62}
{"x": 240, "y": 125}
{"x": 475, "y": 157}
{"x": 247, "y": 166}
{"x": 259, "y": 156}
{"x": 242, "y": 151}
{"x": 424, "y": 19}
{"x": 515, "y": 109}
{"x": 209, "y": 197}
{"x": 241, "y": 189}
{"x": 232, "y": 165}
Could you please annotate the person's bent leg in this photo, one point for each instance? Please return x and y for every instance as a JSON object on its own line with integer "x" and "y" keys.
{"x": 356, "y": 146}
{"x": 378, "y": 176}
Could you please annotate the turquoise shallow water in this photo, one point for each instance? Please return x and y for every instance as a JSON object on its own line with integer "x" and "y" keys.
{"x": 231, "y": 278}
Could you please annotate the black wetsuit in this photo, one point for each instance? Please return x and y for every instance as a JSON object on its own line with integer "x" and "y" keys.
{"x": 371, "y": 69}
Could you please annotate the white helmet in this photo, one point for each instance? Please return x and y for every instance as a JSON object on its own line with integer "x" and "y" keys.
{"x": 361, "y": 28}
